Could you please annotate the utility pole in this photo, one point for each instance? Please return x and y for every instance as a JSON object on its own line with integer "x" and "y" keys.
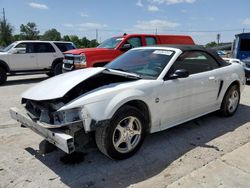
{"x": 218, "y": 39}
{"x": 4, "y": 19}
{"x": 156, "y": 31}
{"x": 96, "y": 35}
{"x": 243, "y": 30}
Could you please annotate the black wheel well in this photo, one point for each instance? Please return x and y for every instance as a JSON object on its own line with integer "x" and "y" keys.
{"x": 4, "y": 66}
{"x": 143, "y": 108}
{"x": 56, "y": 61}
{"x": 234, "y": 83}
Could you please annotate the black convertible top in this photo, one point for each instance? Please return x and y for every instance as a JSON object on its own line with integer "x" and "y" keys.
{"x": 185, "y": 48}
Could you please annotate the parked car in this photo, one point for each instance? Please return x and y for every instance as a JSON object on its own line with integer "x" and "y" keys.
{"x": 246, "y": 68}
{"x": 147, "y": 89}
{"x": 241, "y": 50}
{"x": 33, "y": 56}
{"x": 115, "y": 46}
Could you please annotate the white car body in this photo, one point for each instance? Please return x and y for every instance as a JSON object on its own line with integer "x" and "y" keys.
{"x": 32, "y": 56}
{"x": 169, "y": 102}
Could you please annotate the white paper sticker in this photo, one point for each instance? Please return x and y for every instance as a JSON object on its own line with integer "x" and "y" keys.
{"x": 162, "y": 52}
{"x": 119, "y": 39}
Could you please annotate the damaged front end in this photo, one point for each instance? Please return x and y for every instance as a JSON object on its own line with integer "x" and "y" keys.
{"x": 47, "y": 113}
{"x": 43, "y": 107}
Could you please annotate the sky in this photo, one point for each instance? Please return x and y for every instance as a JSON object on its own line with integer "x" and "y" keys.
{"x": 201, "y": 19}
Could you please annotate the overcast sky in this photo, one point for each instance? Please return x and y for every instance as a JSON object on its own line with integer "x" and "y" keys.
{"x": 202, "y": 19}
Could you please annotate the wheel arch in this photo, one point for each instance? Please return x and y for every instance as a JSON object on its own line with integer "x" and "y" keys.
{"x": 143, "y": 108}
{"x": 56, "y": 61}
{"x": 4, "y": 65}
{"x": 236, "y": 83}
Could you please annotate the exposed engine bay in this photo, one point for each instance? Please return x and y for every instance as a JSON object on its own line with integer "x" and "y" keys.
{"x": 47, "y": 110}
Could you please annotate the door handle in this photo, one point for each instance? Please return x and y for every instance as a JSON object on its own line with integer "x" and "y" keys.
{"x": 211, "y": 78}
{"x": 32, "y": 56}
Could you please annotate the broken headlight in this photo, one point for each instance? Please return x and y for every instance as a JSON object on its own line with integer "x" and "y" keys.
{"x": 66, "y": 116}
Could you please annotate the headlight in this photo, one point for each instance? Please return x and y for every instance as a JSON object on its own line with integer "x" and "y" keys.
{"x": 80, "y": 61}
{"x": 66, "y": 116}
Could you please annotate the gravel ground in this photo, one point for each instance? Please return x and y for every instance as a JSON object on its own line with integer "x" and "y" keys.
{"x": 164, "y": 158}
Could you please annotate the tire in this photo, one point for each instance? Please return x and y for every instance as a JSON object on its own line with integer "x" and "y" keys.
{"x": 3, "y": 75}
{"x": 125, "y": 134}
{"x": 230, "y": 101}
{"x": 57, "y": 69}
{"x": 49, "y": 74}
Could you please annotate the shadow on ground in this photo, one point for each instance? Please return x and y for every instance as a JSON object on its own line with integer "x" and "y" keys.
{"x": 158, "y": 151}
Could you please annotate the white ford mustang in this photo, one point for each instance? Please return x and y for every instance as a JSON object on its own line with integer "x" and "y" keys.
{"x": 146, "y": 90}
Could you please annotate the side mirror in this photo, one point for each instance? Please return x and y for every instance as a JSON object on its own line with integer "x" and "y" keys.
{"x": 19, "y": 50}
{"x": 180, "y": 73}
{"x": 126, "y": 47}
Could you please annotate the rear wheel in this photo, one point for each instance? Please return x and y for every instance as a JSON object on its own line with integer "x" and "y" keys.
{"x": 125, "y": 134}
{"x": 3, "y": 75}
{"x": 230, "y": 101}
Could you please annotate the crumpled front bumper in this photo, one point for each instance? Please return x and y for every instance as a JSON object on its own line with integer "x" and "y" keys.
{"x": 55, "y": 136}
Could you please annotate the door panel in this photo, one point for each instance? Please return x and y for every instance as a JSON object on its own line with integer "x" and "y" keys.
{"x": 45, "y": 54}
{"x": 25, "y": 59}
{"x": 187, "y": 98}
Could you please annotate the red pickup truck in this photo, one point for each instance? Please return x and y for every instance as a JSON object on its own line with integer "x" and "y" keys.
{"x": 115, "y": 46}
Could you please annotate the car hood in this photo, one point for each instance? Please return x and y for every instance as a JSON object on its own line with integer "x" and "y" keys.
{"x": 58, "y": 86}
{"x": 88, "y": 50}
{"x": 77, "y": 83}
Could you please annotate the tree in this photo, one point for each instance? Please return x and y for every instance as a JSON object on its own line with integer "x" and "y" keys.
{"x": 93, "y": 43}
{"x": 5, "y": 33}
{"x": 85, "y": 42}
{"x": 211, "y": 44}
{"x": 29, "y": 31}
{"x": 66, "y": 38}
{"x": 52, "y": 34}
{"x": 75, "y": 40}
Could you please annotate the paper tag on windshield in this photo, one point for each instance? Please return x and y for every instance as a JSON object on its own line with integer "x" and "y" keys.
{"x": 162, "y": 52}
{"x": 118, "y": 39}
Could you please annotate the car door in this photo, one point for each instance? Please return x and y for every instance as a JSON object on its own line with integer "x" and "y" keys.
{"x": 45, "y": 54}
{"x": 186, "y": 98}
{"x": 23, "y": 57}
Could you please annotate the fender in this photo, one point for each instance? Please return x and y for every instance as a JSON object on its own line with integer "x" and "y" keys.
{"x": 121, "y": 99}
{"x": 4, "y": 65}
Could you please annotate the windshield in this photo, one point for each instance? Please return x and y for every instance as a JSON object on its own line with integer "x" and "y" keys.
{"x": 8, "y": 47}
{"x": 110, "y": 43}
{"x": 65, "y": 46}
{"x": 147, "y": 63}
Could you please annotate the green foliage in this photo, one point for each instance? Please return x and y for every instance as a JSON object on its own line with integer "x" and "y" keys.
{"x": 29, "y": 31}
{"x": 84, "y": 42}
{"x": 5, "y": 33}
{"x": 211, "y": 44}
{"x": 51, "y": 34}
{"x": 66, "y": 38}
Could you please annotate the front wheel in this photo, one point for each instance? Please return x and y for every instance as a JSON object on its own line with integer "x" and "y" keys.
{"x": 125, "y": 134}
{"x": 57, "y": 69}
{"x": 3, "y": 75}
{"x": 230, "y": 101}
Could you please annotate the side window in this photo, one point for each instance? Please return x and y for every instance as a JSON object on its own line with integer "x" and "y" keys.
{"x": 245, "y": 45}
{"x": 44, "y": 48}
{"x": 194, "y": 62}
{"x": 25, "y": 48}
{"x": 134, "y": 41}
{"x": 150, "y": 41}
{"x": 64, "y": 46}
